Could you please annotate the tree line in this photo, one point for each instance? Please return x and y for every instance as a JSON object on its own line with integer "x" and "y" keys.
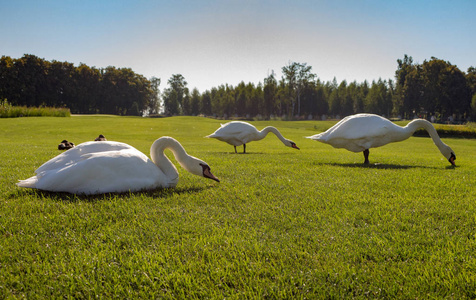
{"x": 34, "y": 82}
{"x": 434, "y": 88}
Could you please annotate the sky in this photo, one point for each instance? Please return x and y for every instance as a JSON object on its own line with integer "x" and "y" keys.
{"x": 217, "y": 42}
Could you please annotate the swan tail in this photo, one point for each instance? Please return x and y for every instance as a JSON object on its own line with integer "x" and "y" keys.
{"x": 318, "y": 136}
{"x": 28, "y": 183}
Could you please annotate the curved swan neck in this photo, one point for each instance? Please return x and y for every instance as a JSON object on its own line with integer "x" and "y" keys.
{"x": 162, "y": 161}
{"x": 420, "y": 123}
{"x": 272, "y": 129}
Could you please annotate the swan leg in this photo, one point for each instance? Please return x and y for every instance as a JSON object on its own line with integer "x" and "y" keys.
{"x": 235, "y": 149}
{"x": 366, "y": 156}
{"x": 244, "y": 148}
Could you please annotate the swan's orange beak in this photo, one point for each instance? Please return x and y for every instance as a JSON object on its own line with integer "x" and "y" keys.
{"x": 294, "y": 146}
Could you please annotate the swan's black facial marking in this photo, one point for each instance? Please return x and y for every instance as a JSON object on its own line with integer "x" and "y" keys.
{"x": 294, "y": 145}
{"x": 207, "y": 173}
{"x": 452, "y": 159}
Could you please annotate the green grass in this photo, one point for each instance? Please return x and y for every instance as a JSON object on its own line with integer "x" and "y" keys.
{"x": 9, "y": 111}
{"x": 282, "y": 223}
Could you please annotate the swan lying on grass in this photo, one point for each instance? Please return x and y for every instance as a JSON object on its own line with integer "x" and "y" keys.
{"x": 113, "y": 167}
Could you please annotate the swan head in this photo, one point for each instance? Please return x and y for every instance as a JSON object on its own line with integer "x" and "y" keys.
{"x": 291, "y": 144}
{"x": 207, "y": 173}
{"x": 199, "y": 167}
{"x": 449, "y": 154}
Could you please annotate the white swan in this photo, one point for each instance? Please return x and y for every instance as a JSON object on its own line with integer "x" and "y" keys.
{"x": 364, "y": 131}
{"x": 238, "y": 133}
{"x": 107, "y": 167}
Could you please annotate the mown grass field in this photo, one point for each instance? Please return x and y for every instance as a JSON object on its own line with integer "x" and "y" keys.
{"x": 282, "y": 223}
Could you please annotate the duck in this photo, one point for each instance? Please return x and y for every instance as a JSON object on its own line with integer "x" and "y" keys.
{"x": 65, "y": 145}
{"x": 360, "y": 132}
{"x": 237, "y": 133}
{"x": 93, "y": 168}
{"x": 100, "y": 138}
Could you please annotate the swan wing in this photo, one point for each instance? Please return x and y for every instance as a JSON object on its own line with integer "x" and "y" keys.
{"x": 77, "y": 153}
{"x": 356, "y": 127}
{"x": 96, "y": 173}
{"x": 235, "y": 133}
{"x": 359, "y": 132}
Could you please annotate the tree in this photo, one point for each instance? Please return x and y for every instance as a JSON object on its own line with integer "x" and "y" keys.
{"x": 471, "y": 79}
{"x": 405, "y": 81}
{"x": 241, "y": 98}
{"x": 87, "y": 90}
{"x": 269, "y": 94}
{"x": 445, "y": 89}
{"x": 297, "y": 76}
{"x": 195, "y": 99}
{"x": 154, "y": 103}
{"x": 320, "y": 104}
{"x": 378, "y": 99}
{"x": 186, "y": 105}
{"x": 173, "y": 96}
{"x": 206, "y": 104}
{"x": 8, "y": 80}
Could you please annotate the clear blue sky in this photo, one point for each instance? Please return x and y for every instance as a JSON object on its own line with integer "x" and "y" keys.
{"x": 227, "y": 41}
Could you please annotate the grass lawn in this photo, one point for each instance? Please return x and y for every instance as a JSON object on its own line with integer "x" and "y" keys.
{"x": 282, "y": 223}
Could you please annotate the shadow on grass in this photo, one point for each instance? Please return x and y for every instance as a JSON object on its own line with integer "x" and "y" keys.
{"x": 378, "y": 166}
{"x": 253, "y": 153}
{"x": 67, "y": 197}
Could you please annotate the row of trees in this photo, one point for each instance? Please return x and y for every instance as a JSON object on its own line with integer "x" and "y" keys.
{"x": 35, "y": 82}
{"x": 434, "y": 87}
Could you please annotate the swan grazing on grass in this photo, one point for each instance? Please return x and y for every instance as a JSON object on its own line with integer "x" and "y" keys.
{"x": 364, "y": 131}
{"x": 109, "y": 167}
{"x": 238, "y": 133}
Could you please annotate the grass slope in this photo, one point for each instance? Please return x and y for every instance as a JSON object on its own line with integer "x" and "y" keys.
{"x": 282, "y": 223}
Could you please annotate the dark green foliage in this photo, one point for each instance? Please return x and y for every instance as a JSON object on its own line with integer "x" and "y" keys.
{"x": 9, "y": 111}
{"x": 434, "y": 88}
{"x": 34, "y": 82}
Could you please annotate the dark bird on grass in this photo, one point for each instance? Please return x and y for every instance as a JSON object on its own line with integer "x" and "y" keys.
{"x": 65, "y": 145}
{"x": 100, "y": 138}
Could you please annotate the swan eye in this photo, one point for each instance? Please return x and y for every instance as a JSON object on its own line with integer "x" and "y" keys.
{"x": 293, "y": 145}
{"x": 205, "y": 167}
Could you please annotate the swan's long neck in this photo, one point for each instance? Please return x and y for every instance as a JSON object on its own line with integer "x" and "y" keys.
{"x": 158, "y": 157}
{"x": 420, "y": 123}
{"x": 263, "y": 133}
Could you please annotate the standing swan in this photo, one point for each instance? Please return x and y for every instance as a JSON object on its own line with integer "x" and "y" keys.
{"x": 113, "y": 167}
{"x": 238, "y": 133}
{"x": 364, "y": 131}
